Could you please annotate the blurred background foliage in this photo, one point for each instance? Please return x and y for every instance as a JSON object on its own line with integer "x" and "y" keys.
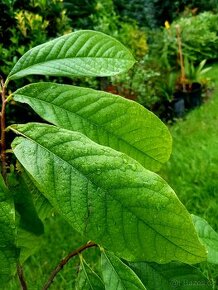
{"x": 147, "y": 28}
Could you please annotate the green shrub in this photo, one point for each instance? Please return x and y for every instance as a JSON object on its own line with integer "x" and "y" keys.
{"x": 154, "y": 13}
{"x": 199, "y": 35}
{"x": 80, "y": 12}
{"x": 134, "y": 38}
{"x": 106, "y": 20}
{"x": 142, "y": 83}
{"x": 31, "y": 23}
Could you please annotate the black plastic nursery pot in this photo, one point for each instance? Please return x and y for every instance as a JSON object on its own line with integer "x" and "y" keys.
{"x": 170, "y": 110}
{"x": 192, "y": 95}
{"x": 178, "y": 106}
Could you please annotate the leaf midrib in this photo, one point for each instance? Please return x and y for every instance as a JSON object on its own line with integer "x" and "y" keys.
{"x": 69, "y": 58}
{"x": 96, "y": 125}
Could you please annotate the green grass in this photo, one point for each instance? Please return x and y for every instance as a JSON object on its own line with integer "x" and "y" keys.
{"x": 193, "y": 168}
{"x": 59, "y": 240}
{"x": 192, "y": 171}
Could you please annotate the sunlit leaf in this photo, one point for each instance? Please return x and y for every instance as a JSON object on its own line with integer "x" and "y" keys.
{"x": 105, "y": 118}
{"x": 107, "y": 196}
{"x": 81, "y": 53}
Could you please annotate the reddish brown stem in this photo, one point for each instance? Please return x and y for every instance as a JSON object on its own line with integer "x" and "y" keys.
{"x": 3, "y": 141}
{"x": 64, "y": 262}
{"x": 4, "y": 164}
{"x": 21, "y": 277}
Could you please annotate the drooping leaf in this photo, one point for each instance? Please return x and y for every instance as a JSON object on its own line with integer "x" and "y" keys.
{"x": 24, "y": 205}
{"x": 87, "y": 279}
{"x": 117, "y": 275}
{"x": 105, "y": 118}
{"x": 43, "y": 208}
{"x": 8, "y": 250}
{"x": 208, "y": 237}
{"x": 170, "y": 276}
{"x": 29, "y": 226}
{"x": 107, "y": 196}
{"x": 33, "y": 208}
{"x": 28, "y": 243}
{"x": 81, "y": 53}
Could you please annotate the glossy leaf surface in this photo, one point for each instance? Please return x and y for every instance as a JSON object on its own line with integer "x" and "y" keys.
{"x": 117, "y": 275}
{"x": 171, "y": 276}
{"x": 107, "y": 196}
{"x": 81, "y": 53}
{"x": 208, "y": 237}
{"x": 105, "y": 118}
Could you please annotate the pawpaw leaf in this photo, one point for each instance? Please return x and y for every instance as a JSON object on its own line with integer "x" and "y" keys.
{"x": 208, "y": 237}
{"x": 81, "y": 53}
{"x": 170, "y": 276}
{"x": 117, "y": 275}
{"x": 105, "y": 118}
{"x": 107, "y": 196}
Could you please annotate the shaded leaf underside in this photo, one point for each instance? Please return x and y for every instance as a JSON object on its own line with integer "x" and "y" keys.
{"x": 87, "y": 279}
{"x": 41, "y": 204}
{"x": 208, "y": 237}
{"x": 117, "y": 275}
{"x": 29, "y": 226}
{"x": 170, "y": 276}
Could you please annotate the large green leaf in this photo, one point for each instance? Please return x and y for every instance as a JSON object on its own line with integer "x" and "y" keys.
{"x": 8, "y": 251}
{"x": 81, "y": 53}
{"x": 117, "y": 275}
{"x": 170, "y": 276}
{"x": 105, "y": 118}
{"x": 107, "y": 196}
{"x": 208, "y": 237}
{"x": 87, "y": 279}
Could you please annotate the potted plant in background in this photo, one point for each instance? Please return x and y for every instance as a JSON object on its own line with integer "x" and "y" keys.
{"x": 188, "y": 86}
{"x": 174, "y": 104}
